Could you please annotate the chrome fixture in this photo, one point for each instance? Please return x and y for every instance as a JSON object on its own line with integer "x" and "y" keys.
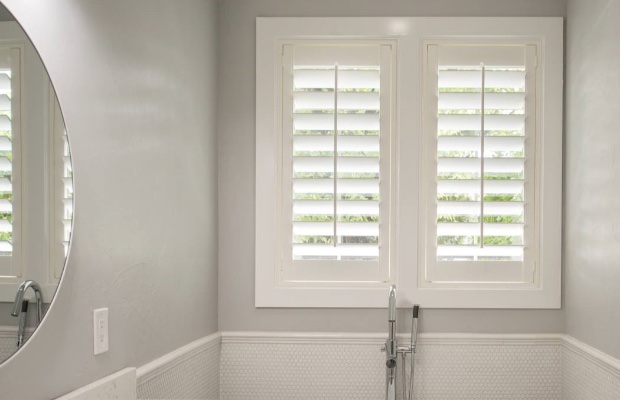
{"x": 21, "y": 331}
{"x": 20, "y": 296}
{"x": 20, "y": 308}
{"x": 392, "y": 350}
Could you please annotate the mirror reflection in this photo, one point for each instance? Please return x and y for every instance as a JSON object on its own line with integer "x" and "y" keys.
{"x": 36, "y": 188}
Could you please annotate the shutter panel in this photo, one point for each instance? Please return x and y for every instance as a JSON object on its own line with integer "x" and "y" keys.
{"x": 484, "y": 166}
{"x": 6, "y": 154}
{"x": 335, "y": 149}
{"x": 61, "y": 194}
{"x": 9, "y": 162}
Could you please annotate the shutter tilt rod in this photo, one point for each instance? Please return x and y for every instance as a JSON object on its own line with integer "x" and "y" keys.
{"x": 482, "y": 157}
{"x": 335, "y": 155}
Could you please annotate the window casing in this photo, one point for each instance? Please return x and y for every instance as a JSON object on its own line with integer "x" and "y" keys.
{"x": 527, "y": 272}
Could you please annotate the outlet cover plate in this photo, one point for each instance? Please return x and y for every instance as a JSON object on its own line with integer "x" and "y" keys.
{"x": 100, "y": 324}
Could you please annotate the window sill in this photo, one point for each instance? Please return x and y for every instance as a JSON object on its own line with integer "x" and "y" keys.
{"x": 377, "y": 297}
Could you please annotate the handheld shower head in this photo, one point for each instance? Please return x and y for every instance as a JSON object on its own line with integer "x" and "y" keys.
{"x": 392, "y": 304}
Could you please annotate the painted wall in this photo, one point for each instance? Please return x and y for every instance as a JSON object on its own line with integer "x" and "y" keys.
{"x": 5, "y": 15}
{"x": 592, "y": 182}
{"x": 136, "y": 81}
{"x": 236, "y": 148}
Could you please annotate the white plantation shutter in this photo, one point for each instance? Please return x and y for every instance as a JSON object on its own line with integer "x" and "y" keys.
{"x": 482, "y": 149}
{"x": 336, "y": 122}
{"x": 10, "y": 162}
{"x": 61, "y": 188}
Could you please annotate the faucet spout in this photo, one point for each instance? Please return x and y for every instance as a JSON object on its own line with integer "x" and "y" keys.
{"x": 19, "y": 297}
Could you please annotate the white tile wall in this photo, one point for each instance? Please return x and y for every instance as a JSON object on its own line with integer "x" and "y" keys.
{"x": 191, "y": 372}
{"x": 488, "y": 372}
{"x": 8, "y": 341}
{"x": 259, "y": 366}
{"x": 588, "y": 374}
{"x": 296, "y": 366}
{"x": 269, "y": 371}
{"x": 118, "y": 386}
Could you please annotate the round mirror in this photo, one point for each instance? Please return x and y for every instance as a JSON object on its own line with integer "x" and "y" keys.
{"x": 36, "y": 188}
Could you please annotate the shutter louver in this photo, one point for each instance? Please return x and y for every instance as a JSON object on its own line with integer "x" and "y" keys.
{"x": 480, "y": 210}
{"x": 62, "y": 189}
{"x": 67, "y": 193}
{"x": 336, "y": 128}
{"x": 483, "y": 162}
{"x": 10, "y": 162}
{"x": 6, "y": 157}
{"x": 337, "y": 149}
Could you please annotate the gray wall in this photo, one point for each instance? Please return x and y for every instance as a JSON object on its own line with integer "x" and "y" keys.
{"x": 592, "y": 181}
{"x": 5, "y": 15}
{"x": 236, "y": 150}
{"x": 136, "y": 80}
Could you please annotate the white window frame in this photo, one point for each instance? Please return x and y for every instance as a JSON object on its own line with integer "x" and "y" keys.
{"x": 271, "y": 291}
{"x": 320, "y": 272}
{"x": 409, "y": 248}
{"x": 544, "y": 289}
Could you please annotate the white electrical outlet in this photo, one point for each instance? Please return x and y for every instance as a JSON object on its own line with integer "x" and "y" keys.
{"x": 100, "y": 321}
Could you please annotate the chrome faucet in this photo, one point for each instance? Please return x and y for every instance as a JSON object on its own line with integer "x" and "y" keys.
{"x": 391, "y": 349}
{"x": 20, "y": 309}
{"x": 20, "y": 296}
{"x": 21, "y": 330}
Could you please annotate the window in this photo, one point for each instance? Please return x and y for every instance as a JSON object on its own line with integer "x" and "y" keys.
{"x": 335, "y": 163}
{"x": 326, "y": 107}
{"x": 10, "y": 161}
{"x": 424, "y": 152}
{"x": 482, "y": 150}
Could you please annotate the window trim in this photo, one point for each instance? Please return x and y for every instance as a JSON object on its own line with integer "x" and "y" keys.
{"x": 409, "y": 34}
{"x": 545, "y": 292}
{"x": 270, "y": 34}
